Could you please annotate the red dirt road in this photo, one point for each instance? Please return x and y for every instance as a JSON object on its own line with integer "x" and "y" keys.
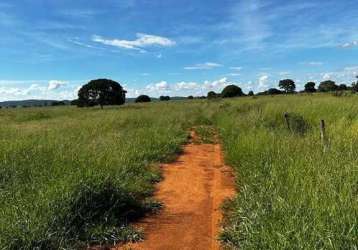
{"x": 193, "y": 189}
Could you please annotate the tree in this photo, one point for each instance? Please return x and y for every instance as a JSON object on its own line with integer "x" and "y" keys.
{"x": 190, "y": 97}
{"x": 143, "y": 98}
{"x": 212, "y": 95}
{"x": 355, "y": 86}
{"x": 287, "y": 85}
{"x": 327, "y": 86}
{"x": 274, "y": 91}
{"x": 101, "y": 92}
{"x": 251, "y": 93}
{"x": 74, "y": 102}
{"x": 310, "y": 87}
{"x": 164, "y": 98}
{"x": 342, "y": 87}
{"x": 231, "y": 91}
{"x": 58, "y": 103}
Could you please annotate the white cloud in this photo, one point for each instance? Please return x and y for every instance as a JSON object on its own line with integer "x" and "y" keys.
{"x": 159, "y": 86}
{"x": 55, "y": 84}
{"x": 186, "y": 86}
{"x": 313, "y": 63}
{"x": 236, "y": 68}
{"x": 350, "y": 44}
{"x": 263, "y": 82}
{"x": 39, "y": 89}
{"x": 234, "y": 74}
{"x": 182, "y": 88}
{"x": 142, "y": 41}
{"x": 204, "y": 66}
{"x": 221, "y": 83}
{"x": 326, "y": 76}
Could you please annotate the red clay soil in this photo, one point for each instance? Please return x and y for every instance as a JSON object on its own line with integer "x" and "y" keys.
{"x": 193, "y": 190}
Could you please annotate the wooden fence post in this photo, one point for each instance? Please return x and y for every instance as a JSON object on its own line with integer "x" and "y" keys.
{"x": 287, "y": 121}
{"x": 323, "y": 135}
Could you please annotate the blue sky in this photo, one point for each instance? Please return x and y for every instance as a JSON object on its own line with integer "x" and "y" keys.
{"x": 48, "y": 48}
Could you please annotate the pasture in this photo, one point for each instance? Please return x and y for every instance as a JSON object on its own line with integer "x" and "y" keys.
{"x": 70, "y": 177}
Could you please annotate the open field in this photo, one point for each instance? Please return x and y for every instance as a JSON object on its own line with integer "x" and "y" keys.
{"x": 71, "y": 177}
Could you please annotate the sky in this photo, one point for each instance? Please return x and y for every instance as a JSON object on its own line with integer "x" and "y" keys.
{"x": 49, "y": 48}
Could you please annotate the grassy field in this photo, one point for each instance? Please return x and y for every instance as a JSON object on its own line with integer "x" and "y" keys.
{"x": 292, "y": 195}
{"x": 71, "y": 177}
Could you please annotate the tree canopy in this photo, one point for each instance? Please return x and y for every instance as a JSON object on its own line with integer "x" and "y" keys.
{"x": 287, "y": 85}
{"x": 164, "y": 98}
{"x": 212, "y": 94}
{"x": 310, "y": 87}
{"x": 327, "y": 86}
{"x": 143, "y": 98}
{"x": 231, "y": 91}
{"x": 101, "y": 92}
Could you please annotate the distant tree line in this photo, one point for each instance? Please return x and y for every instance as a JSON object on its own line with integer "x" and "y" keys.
{"x": 108, "y": 92}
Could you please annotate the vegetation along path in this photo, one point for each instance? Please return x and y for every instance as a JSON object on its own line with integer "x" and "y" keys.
{"x": 193, "y": 190}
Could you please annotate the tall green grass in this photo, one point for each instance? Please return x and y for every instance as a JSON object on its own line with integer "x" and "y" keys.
{"x": 71, "y": 177}
{"x": 292, "y": 195}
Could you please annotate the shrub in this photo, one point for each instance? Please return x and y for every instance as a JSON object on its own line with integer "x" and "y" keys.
{"x": 231, "y": 91}
{"x": 143, "y": 98}
{"x": 271, "y": 91}
{"x": 297, "y": 123}
{"x": 212, "y": 95}
{"x": 164, "y": 98}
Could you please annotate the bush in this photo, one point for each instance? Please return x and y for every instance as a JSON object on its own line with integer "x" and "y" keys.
{"x": 164, "y": 98}
{"x": 212, "y": 95}
{"x": 272, "y": 91}
{"x": 297, "y": 123}
{"x": 143, "y": 98}
{"x": 231, "y": 91}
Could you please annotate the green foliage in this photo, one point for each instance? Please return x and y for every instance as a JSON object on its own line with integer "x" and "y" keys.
{"x": 310, "y": 87}
{"x": 231, "y": 91}
{"x": 291, "y": 194}
{"x": 164, "y": 98}
{"x": 327, "y": 86}
{"x": 70, "y": 178}
{"x": 212, "y": 95}
{"x": 101, "y": 92}
{"x": 143, "y": 98}
{"x": 76, "y": 177}
{"x": 287, "y": 85}
{"x": 296, "y": 123}
{"x": 271, "y": 91}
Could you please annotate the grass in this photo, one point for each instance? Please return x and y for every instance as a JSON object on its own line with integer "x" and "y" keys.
{"x": 291, "y": 194}
{"x": 72, "y": 177}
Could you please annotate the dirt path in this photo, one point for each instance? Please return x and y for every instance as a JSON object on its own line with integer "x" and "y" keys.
{"x": 192, "y": 192}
